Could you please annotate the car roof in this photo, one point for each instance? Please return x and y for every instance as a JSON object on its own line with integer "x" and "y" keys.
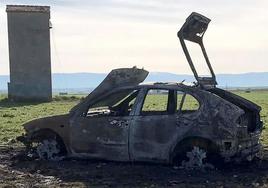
{"x": 165, "y": 83}
{"x": 161, "y": 85}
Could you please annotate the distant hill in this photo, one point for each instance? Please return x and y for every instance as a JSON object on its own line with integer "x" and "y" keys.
{"x": 86, "y": 81}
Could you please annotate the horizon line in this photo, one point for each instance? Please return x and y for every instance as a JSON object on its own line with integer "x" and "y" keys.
{"x": 149, "y": 73}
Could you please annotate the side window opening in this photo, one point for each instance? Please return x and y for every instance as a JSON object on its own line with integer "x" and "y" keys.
{"x": 186, "y": 103}
{"x": 115, "y": 104}
{"x": 125, "y": 106}
{"x": 159, "y": 102}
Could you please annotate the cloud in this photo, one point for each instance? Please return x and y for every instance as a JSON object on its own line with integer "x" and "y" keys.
{"x": 99, "y": 35}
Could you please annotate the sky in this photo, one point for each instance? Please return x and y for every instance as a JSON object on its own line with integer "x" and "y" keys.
{"x": 100, "y": 35}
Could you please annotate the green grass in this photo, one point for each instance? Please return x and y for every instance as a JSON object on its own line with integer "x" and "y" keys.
{"x": 260, "y": 97}
{"x": 12, "y": 115}
{"x": 155, "y": 102}
{"x": 158, "y": 102}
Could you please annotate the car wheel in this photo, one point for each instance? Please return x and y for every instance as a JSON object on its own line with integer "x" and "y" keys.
{"x": 196, "y": 159}
{"x": 49, "y": 149}
{"x": 197, "y": 153}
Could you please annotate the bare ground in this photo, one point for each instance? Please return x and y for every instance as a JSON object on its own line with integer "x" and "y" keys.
{"x": 17, "y": 171}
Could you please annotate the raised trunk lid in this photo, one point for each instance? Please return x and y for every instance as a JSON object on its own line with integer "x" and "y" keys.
{"x": 193, "y": 30}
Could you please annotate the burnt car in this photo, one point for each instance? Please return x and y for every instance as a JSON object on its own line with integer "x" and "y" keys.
{"x": 124, "y": 119}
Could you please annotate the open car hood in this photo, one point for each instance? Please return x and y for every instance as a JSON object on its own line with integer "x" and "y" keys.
{"x": 115, "y": 79}
{"x": 193, "y": 30}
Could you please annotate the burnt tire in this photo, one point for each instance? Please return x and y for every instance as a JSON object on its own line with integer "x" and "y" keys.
{"x": 50, "y": 150}
{"x": 48, "y": 146}
{"x": 199, "y": 150}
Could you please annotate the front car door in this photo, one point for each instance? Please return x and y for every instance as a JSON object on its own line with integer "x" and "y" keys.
{"x": 103, "y": 131}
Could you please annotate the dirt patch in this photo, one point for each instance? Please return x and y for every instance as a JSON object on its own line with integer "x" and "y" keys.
{"x": 17, "y": 171}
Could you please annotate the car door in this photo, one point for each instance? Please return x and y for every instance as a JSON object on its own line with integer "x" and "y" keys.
{"x": 154, "y": 126}
{"x": 102, "y": 135}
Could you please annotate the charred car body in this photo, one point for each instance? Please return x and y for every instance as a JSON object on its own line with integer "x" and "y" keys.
{"x": 122, "y": 120}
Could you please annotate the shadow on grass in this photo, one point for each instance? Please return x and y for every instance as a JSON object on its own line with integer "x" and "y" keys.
{"x": 6, "y": 103}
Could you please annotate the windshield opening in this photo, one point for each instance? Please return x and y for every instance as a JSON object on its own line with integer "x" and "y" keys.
{"x": 116, "y": 104}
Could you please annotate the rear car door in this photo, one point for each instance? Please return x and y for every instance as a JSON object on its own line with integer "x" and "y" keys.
{"x": 154, "y": 126}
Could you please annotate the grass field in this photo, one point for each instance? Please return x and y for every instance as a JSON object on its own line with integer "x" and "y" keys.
{"x": 261, "y": 98}
{"x": 12, "y": 115}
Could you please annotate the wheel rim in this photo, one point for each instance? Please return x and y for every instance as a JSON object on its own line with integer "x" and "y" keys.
{"x": 196, "y": 159}
{"x": 48, "y": 150}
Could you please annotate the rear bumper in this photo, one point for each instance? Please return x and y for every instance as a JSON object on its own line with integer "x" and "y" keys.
{"x": 245, "y": 148}
{"x": 249, "y": 148}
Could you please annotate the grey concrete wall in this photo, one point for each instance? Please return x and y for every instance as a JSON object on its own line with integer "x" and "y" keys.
{"x": 29, "y": 53}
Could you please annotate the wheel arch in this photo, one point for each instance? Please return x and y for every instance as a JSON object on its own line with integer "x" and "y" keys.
{"x": 46, "y": 133}
{"x": 183, "y": 144}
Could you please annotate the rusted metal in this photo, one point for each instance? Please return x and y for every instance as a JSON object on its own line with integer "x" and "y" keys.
{"x": 224, "y": 125}
{"x": 193, "y": 30}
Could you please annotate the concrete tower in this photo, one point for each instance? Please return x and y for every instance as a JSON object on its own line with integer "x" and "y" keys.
{"x": 29, "y": 53}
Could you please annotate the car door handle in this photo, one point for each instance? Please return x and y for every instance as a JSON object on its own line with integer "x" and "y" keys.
{"x": 118, "y": 123}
